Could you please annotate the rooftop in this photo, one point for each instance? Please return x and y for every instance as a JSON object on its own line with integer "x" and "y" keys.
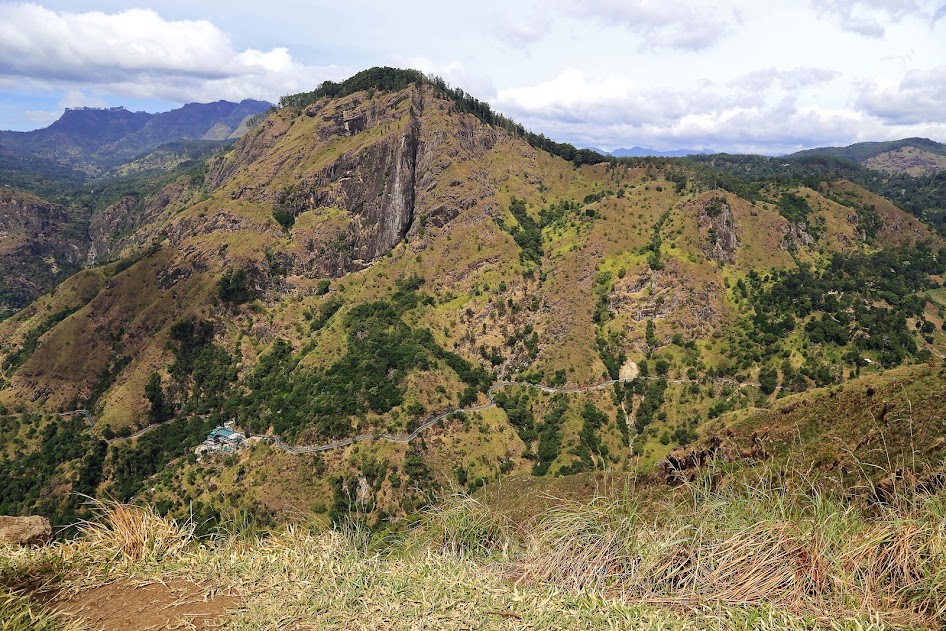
{"x": 223, "y": 432}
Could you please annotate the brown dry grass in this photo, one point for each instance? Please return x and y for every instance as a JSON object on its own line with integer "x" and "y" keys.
{"x": 134, "y": 533}
{"x": 793, "y": 548}
{"x": 744, "y": 556}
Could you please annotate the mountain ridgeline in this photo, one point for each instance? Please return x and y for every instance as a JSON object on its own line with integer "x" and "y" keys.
{"x": 407, "y": 292}
{"x": 74, "y": 191}
{"x": 93, "y": 139}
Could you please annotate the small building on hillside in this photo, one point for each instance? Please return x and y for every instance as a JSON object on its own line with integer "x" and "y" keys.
{"x": 221, "y": 439}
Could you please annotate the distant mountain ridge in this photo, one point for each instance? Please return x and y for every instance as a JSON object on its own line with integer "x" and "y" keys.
{"x": 644, "y": 152}
{"x": 102, "y": 138}
{"x": 861, "y": 151}
{"x": 910, "y": 156}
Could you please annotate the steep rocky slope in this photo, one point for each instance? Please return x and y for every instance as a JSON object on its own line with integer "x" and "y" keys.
{"x": 908, "y": 160}
{"x": 41, "y": 243}
{"x": 102, "y": 171}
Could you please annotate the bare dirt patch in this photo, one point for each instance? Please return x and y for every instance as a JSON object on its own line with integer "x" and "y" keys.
{"x": 629, "y": 370}
{"x": 130, "y": 606}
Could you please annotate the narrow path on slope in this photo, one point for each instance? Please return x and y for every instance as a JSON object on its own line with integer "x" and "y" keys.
{"x": 406, "y": 438}
{"x": 148, "y": 428}
{"x": 89, "y": 420}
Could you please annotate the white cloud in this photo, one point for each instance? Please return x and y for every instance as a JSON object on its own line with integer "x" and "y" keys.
{"x": 654, "y": 25}
{"x": 520, "y": 25}
{"x": 572, "y": 96}
{"x": 870, "y": 17}
{"x": 568, "y": 93}
{"x": 455, "y": 73}
{"x": 790, "y": 79}
{"x": 139, "y": 53}
{"x": 761, "y": 112}
{"x": 725, "y": 74}
{"x": 938, "y": 15}
{"x": 41, "y": 118}
{"x": 919, "y": 97}
{"x": 80, "y": 98}
{"x": 71, "y": 98}
{"x": 664, "y": 24}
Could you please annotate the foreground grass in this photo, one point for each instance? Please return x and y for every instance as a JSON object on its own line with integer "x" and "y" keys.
{"x": 19, "y": 613}
{"x": 754, "y": 557}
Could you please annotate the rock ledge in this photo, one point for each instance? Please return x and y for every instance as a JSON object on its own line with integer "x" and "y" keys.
{"x": 25, "y": 531}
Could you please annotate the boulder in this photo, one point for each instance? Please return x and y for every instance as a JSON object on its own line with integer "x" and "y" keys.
{"x": 684, "y": 463}
{"x": 25, "y": 531}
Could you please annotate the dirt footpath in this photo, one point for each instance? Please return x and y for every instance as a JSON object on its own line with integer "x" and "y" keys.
{"x": 130, "y": 606}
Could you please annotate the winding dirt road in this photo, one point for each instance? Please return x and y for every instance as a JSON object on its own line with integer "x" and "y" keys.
{"x": 427, "y": 424}
{"x": 406, "y": 438}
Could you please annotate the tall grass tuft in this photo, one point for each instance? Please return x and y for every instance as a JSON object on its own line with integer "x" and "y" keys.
{"x": 583, "y": 545}
{"x": 134, "y": 533}
{"x": 464, "y": 527}
{"x": 763, "y": 554}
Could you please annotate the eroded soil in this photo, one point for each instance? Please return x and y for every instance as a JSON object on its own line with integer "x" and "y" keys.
{"x": 131, "y": 606}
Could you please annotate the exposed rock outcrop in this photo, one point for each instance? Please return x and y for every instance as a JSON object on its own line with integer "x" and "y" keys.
{"x": 377, "y": 185}
{"x": 391, "y": 182}
{"x": 796, "y": 236}
{"x": 715, "y": 215}
{"x": 40, "y": 244}
{"x": 133, "y": 222}
{"x": 684, "y": 464}
{"x": 25, "y": 531}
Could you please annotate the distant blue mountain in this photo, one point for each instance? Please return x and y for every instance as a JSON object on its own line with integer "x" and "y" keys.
{"x": 643, "y": 152}
{"x": 107, "y": 137}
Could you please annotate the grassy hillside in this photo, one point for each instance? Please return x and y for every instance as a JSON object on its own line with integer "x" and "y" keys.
{"x": 923, "y": 196}
{"x": 890, "y": 422}
{"x": 908, "y": 160}
{"x": 364, "y": 261}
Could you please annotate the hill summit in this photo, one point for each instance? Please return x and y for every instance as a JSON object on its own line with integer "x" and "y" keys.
{"x": 910, "y": 156}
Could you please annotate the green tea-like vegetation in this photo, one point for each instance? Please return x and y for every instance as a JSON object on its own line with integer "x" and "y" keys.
{"x": 236, "y": 287}
{"x": 61, "y": 449}
{"x": 203, "y": 369}
{"x": 106, "y": 378}
{"x": 858, "y": 302}
{"x": 550, "y": 435}
{"x": 527, "y": 235}
{"x": 794, "y": 207}
{"x": 132, "y": 464}
{"x": 747, "y": 176}
{"x": 591, "y": 452}
{"x": 653, "y": 259}
{"x": 381, "y": 351}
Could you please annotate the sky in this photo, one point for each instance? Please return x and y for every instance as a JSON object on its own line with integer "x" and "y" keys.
{"x": 741, "y": 76}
